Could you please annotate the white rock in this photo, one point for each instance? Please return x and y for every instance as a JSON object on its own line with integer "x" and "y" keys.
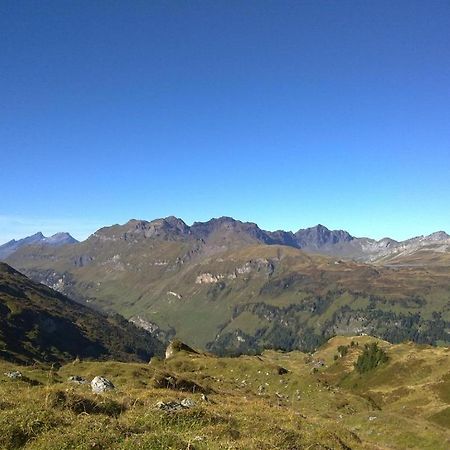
{"x": 101, "y": 384}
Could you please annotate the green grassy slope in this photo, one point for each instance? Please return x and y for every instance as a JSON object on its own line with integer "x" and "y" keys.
{"x": 320, "y": 403}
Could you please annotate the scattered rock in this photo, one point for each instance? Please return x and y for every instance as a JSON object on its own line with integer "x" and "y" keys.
{"x": 14, "y": 374}
{"x": 186, "y": 403}
{"x": 101, "y": 384}
{"x": 318, "y": 363}
{"x": 77, "y": 379}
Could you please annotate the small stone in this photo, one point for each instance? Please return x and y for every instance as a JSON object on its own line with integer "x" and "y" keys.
{"x": 101, "y": 384}
{"x": 175, "y": 405}
{"x": 77, "y": 379}
{"x": 187, "y": 403}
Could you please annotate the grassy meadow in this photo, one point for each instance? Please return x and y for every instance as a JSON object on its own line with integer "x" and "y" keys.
{"x": 273, "y": 401}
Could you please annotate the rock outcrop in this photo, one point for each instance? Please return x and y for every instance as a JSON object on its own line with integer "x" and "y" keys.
{"x": 176, "y": 346}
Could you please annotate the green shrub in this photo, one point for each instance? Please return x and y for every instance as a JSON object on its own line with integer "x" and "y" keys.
{"x": 372, "y": 357}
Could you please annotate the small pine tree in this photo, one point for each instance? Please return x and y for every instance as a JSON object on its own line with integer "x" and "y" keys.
{"x": 372, "y": 357}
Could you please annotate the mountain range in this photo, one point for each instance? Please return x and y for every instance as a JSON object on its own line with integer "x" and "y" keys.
{"x": 231, "y": 287}
{"x": 317, "y": 239}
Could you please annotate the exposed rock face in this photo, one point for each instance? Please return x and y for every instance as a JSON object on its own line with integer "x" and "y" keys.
{"x": 101, "y": 384}
{"x": 260, "y": 265}
{"x": 177, "y": 346}
{"x": 145, "y": 324}
{"x": 208, "y": 278}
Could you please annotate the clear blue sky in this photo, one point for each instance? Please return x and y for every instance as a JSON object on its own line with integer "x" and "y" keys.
{"x": 285, "y": 113}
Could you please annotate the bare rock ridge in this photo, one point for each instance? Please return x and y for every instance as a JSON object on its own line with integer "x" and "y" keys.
{"x": 172, "y": 228}
{"x": 225, "y": 232}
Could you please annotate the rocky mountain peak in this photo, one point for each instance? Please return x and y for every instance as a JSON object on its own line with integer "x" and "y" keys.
{"x": 38, "y": 238}
{"x": 59, "y": 239}
{"x": 438, "y": 236}
{"x": 320, "y": 236}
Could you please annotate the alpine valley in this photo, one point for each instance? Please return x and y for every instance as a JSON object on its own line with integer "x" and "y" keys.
{"x": 229, "y": 287}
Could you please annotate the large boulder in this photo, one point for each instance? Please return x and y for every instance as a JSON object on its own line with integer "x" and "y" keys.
{"x": 101, "y": 384}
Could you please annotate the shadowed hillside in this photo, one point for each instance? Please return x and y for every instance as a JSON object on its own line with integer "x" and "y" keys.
{"x": 39, "y": 324}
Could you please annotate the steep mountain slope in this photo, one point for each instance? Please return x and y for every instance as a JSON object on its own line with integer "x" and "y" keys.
{"x": 228, "y": 286}
{"x": 36, "y": 239}
{"x": 37, "y": 323}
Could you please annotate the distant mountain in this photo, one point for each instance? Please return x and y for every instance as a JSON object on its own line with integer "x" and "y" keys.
{"x": 36, "y": 239}
{"x": 37, "y": 323}
{"x": 226, "y": 284}
{"x": 223, "y": 233}
{"x": 320, "y": 237}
